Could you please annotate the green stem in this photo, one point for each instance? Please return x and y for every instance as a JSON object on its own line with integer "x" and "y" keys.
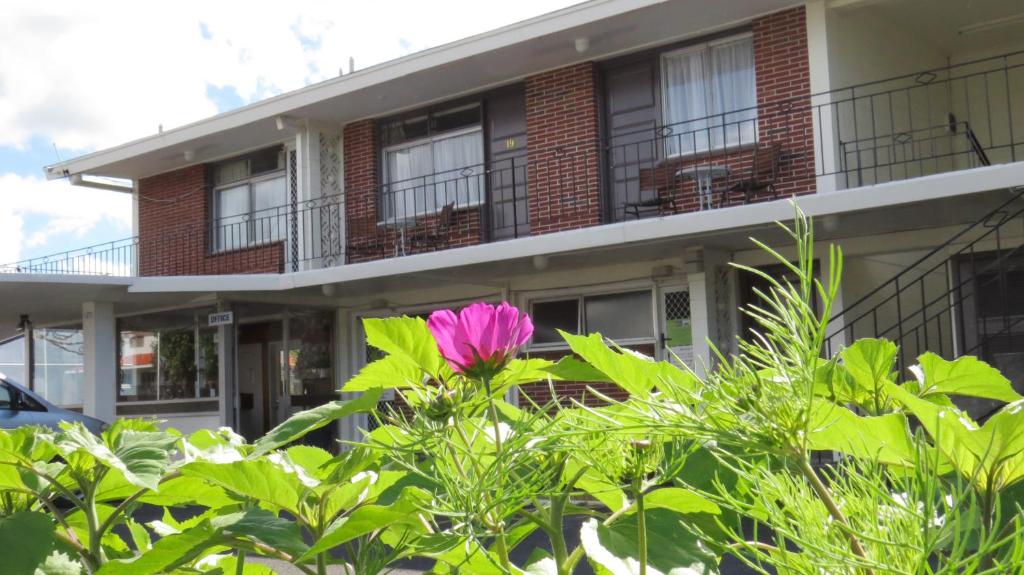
{"x": 641, "y": 527}
{"x": 499, "y": 526}
{"x": 826, "y": 497}
{"x": 558, "y": 547}
{"x": 93, "y": 524}
{"x": 240, "y": 563}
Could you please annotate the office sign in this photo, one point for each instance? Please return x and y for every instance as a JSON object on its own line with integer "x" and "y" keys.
{"x": 222, "y": 318}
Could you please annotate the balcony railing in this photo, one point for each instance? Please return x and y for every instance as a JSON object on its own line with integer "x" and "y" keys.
{"x": 935, "y": 121}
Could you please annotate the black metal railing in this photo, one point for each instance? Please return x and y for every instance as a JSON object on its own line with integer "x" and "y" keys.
{"x": 953, "y": 118}
{"x": 116, "y": 258}
{"x": 935, "y": 121}
{"x": 478, "y": 203}
{"x": 961, "y": 298}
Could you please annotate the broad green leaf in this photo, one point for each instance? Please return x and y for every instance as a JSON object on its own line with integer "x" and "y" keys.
{"x": 224, "y": 531}
{"x": 884, "y": 438}
{"x": 467, "y": 557}
{"x": 389, "y": 372}
{"x": 228, "y": 565}
{"x": 59, "y": 563}
{"x": 521, "y": 372}
{"x": 679, "y": 500}
{"x": 27, "y": 540}
{"x": 869, "y": 363}
{"x": 263, "y": 527}
{"x": 609, "y": 494}
{"x": 571, "y": 369}
{"x": 671, "y": 549}
{"x": 180, "y": 491}
{"x": 141, "y": 456}
{"x": 407, "y": 337}
{"x": 635, "y": 374}
{"x": 965, "y": 375}
{"x": 303, "y": 422}
{"x": 369, "y": 518}
{"x": 140, "y": 537}
{"x": 257, "y": 479}
{"x": 166, "y": 554}
{"x": 541, "y": 562}
{"x": 953, "y": 431}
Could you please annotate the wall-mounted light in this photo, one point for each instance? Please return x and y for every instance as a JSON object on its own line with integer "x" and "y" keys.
{"x": 328, "y": 290}
{"x": 190, "y": 155}
{"x": 830, "y": 223}
{"x": 540, "y": 263}
{"x": 582, "y": 44}
{"x": 288, "y": 123}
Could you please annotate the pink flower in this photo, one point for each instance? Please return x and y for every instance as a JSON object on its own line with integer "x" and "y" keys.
{"x": 482, "y": 339}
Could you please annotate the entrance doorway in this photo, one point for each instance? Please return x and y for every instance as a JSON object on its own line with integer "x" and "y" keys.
{"x": 285, "y": 365}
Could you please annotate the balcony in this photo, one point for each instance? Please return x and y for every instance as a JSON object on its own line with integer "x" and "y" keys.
{"x": 929, "y": 122}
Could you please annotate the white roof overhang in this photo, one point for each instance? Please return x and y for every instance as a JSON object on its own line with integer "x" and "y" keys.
{"x": 487, "y": 60}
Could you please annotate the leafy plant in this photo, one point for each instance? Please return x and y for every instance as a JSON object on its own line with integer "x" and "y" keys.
{"x": 667, "y": 477}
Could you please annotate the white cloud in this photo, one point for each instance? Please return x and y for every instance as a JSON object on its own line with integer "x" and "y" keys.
{"x": 95, "y": 74}
{"x": 88, "y": 75}
{"x": 68, "y": 210}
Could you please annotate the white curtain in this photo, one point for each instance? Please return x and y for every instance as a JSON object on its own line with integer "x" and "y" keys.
{"x": 232, "y": 209}
{"x": 408, "y": 170}
{"x": 457, "y": 163}
{"x": 733, "y": 93}
{"x": 269, "y": 199}
{"x": 686, "y": 105}
{"x": 709, "y": 97}
{"x": 423, "y": 178}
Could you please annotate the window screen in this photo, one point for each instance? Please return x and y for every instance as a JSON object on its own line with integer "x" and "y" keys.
{"x": 621, "y": 316}
{"x": 551, "y": 316}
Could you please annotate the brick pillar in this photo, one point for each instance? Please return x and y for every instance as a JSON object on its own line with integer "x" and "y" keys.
{"x": 361, "y": 157}
{"x": 563, "y": 143}
{"x": 783, "y": 96}
{"x": 172, "y": 212}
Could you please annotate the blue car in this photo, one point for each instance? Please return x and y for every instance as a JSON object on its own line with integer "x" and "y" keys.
{"x": 20, "y": 406}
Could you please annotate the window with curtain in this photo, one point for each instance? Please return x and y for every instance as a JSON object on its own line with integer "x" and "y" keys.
{"x": 250, "y": 200}
{"x": 710, "y": 96}
{"x": 430, "y": 161}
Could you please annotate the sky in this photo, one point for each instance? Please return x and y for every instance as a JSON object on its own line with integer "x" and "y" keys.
{"x": 76, "y": 77}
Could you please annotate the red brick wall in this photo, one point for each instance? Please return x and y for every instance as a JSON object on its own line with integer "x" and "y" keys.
{"x": 173, "y": 231}
{"x": 563, "y": 144}
{"x": 783, "y": 96}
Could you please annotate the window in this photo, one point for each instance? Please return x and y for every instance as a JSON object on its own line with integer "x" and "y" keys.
{"x": 430, "y": 161}
{"x": 168, "y": 356}
{"x": 709, "y": 96}
{"x": 250, "y": 200}
{"x": 621, "y": 317}
{"x": 6, "y": 397}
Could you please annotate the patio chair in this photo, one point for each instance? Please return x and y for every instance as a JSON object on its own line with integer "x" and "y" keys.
{"x": 762, "y": 176}
{"x": 437, "y": 233}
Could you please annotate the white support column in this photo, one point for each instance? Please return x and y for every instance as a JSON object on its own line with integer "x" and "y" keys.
{"x": 99, "y": 335}
{"x": 711, "y": 306}
{"x": 826, "y": 152}
{"x": 348, "y": 428}
{"x": 702, "y": 319}
{"x": 226, "y": 369}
